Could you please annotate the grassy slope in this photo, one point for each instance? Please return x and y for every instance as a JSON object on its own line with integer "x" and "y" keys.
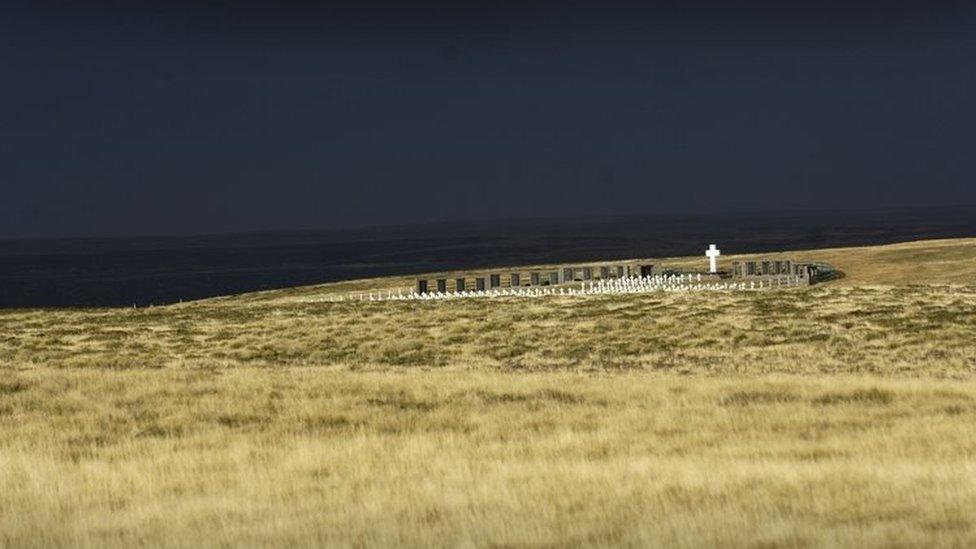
{"x": 839, "y": 414}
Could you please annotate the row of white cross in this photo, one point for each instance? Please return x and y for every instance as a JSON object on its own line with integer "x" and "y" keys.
{"x": 657, "y": 283}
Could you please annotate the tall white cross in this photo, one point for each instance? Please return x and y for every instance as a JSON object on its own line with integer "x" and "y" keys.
{"x": 712, "y": 254}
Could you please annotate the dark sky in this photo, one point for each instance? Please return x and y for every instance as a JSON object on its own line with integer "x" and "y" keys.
{"x": 182, "y": 117}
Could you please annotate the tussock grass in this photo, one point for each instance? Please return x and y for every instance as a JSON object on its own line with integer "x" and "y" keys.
{"x": 840, "y": 414}
{"x": 305, "y": 455}
{"x": 886, "y": 330}
{"x": 862, "y": 396}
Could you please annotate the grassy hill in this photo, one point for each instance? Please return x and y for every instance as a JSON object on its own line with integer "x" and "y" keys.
{"x": 841, "y": 414}
{"x": 950, "y": 261}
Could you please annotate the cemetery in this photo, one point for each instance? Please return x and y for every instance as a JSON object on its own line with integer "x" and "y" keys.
{"x": 610, "y": 278}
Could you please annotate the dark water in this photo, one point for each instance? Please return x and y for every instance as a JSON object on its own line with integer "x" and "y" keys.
{"x": 144, "y": 270}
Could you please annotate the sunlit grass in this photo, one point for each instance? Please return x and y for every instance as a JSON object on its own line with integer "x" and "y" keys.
{"x": 299, "y": 455}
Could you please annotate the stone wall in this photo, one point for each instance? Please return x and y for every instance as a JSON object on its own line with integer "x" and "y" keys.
{"x": 765, "y": 268}
{"x": 521, "y": 277}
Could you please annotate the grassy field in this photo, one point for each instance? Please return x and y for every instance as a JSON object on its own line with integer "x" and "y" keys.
{"x": 843, "y": 414}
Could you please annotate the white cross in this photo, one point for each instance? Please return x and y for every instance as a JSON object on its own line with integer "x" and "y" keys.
{"x": 712, "y": 254}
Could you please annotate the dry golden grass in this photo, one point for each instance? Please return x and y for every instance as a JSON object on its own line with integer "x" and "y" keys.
{"x": 299, "y": 456}
{"x": 843, "y": 414}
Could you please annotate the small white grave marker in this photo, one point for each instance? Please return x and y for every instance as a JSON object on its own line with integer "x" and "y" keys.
{"x": 712, "y": 254}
